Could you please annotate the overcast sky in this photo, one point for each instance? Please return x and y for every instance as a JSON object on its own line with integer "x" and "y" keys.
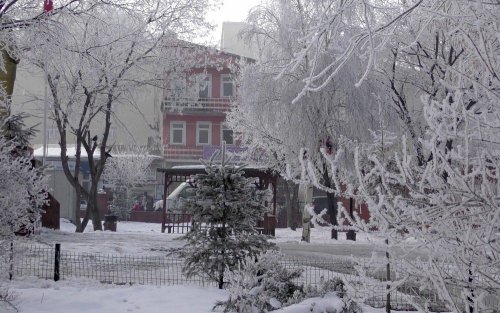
{"x": 231, "y": 11}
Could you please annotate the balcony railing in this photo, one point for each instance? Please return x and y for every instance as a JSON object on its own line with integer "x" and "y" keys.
{"x": 194, "y": 153}
{"x": 173, "y": 152}
{"x": 202, "y": 104}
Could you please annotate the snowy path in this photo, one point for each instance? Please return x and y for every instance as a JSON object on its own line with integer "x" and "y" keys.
{"x": 134, "y": 238}
{"x": 323, "y": 247}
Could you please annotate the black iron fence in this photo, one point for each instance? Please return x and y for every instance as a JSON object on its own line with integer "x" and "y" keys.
{"x": 47, "y": 262}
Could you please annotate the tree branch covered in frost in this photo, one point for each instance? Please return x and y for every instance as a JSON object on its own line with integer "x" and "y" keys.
{"x": 372, "y": 26}
{"x": 95, "y": 61}
{"x": 128, "y": 168}
{"x": 449, "y": 206}
{"x": 266, "y": 115}
{"x": 437, "y": 180}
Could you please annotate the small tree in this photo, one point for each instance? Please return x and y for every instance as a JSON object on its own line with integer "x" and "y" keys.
{"x": 127, "y": 169}
{"x": 225, "y": 210}
{"x": 22, "y": 189}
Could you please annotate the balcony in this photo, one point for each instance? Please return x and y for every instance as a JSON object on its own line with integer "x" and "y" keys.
{"x": 193, "y": 105}
{"x": 194, "y": 153}
{"x": 183, "y": 153}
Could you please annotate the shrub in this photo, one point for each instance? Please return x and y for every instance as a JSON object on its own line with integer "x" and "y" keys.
{"x": 261, "y": 285}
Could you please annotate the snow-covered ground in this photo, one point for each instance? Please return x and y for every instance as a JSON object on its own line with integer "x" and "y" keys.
{"x": 84, "y": 296}
{"x": 132, "y": 238}
{"x": 146, "y": 238}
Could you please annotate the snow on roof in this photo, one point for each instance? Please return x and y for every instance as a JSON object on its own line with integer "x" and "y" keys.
{"x": 200, "y": 166}
{"x": 55, "y": 151}
{"x": 188, "y": 166}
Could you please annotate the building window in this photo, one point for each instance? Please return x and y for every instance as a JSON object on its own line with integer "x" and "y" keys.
{"x": 178, "y": 133}
{"x": 227, "y": 135}
{"x": 204, "y": 86}
{"x": 227, "y": 86}
{"x": 203, "y": 133}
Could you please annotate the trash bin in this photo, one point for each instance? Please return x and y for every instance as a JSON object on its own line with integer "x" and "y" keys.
{"x": 351, "y": 235}
{"x": 110, "y": 222}
{"x": 269, "y": 224}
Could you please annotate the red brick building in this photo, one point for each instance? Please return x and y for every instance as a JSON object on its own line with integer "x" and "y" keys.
{"x": 196, "y": 100}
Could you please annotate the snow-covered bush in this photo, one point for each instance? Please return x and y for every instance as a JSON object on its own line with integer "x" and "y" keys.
{"x": 262, "y": 284}
{"x": 337, "y": 287}
{"x": 265, "y": 283}
{"x": 225, "y": 210}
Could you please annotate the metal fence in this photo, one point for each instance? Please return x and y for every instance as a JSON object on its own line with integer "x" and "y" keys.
{"x": 39, "y": 261}
{"x": 372, "y": 289}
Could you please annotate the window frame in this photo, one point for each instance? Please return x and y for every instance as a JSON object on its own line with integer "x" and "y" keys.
{"x": 222, "y": 129}
{"x": 183, "y": 123}
{"x": 210, "y": 81}
{"x": 222, "y": 85}
{"x": 198, "y": 123}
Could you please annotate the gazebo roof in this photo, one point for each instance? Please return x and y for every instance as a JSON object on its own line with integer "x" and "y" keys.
{"x": 182, "y": 173}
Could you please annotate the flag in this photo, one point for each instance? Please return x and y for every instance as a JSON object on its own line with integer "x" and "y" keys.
{"x": 48, "y": 6}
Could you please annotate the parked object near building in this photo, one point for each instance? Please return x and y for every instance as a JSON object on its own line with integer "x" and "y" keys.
{"x": 110, "y": 222}
{"x": 51, "y": 215}
{"x": 176, "y": 199}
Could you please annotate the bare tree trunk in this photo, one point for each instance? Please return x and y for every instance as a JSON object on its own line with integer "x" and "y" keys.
{"x": 96, "y": 218}
{"x": 289, "y": 205}
{"x": 295, "y": 206}
{"x": 77, "y": 222}
{"x": 388, "y": 276}
{"x": 470, "y": 298}
{"x": 86, "y": 218}
{"x": 85, "y": 221}
{"x": 94, "y": 209}
{"x": 332, "y": 203}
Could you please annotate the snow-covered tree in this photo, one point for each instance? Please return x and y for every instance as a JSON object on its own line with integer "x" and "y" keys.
{"x": 267, "y": 116}
{"x": 93, "y": 62}
{"x": 23, "y": 189}
{"x": 437, "y": 182}
{"x": 442, "y": 191}
{"x": 225, "y": 209}
{"x": 448, "y": 207}
{"x": 129, "y": 167}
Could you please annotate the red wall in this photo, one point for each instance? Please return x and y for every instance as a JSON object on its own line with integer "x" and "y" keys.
{"x": 191, "y": 127}
{"x": 216, "y": 79}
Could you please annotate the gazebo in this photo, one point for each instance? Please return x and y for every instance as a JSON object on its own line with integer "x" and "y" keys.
{"x": 180, "y": 174}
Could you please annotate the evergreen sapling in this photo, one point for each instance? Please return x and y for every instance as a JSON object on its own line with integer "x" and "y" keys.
{"x": 225, "y": 210}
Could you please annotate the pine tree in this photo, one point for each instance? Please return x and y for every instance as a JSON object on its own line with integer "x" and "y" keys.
{"x": 225, "y": 210}
{"x": 22, "y": 191}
